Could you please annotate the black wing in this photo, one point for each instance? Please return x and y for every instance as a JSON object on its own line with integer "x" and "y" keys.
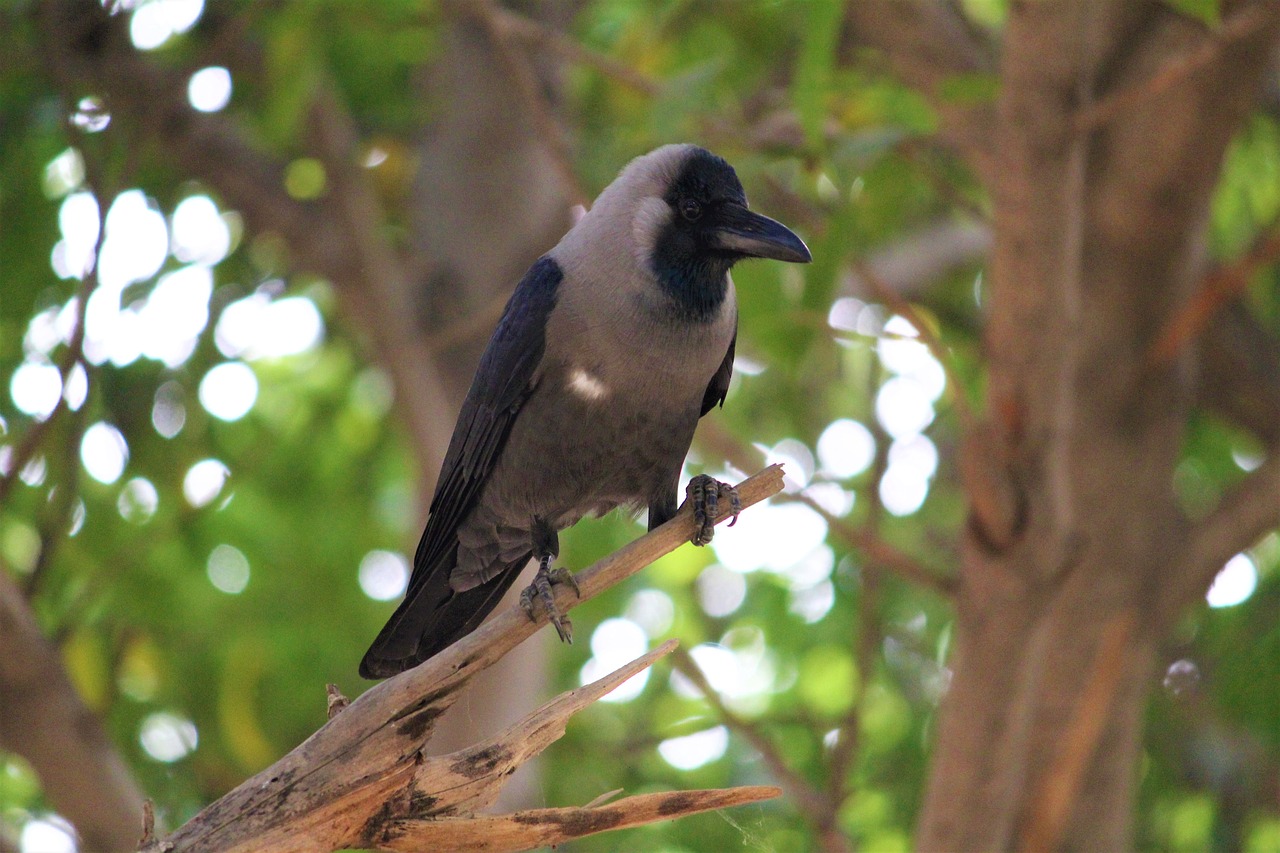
{"x": 502, "y": 383}
{"x": 718, "y": 389}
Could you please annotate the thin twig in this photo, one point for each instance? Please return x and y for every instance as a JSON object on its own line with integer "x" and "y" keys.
{"x": 1215, "y": 290}
{"x": 870, "y": 633}
{"x": 809, "y": 800}
{"x": 876, "y": 550}
{"x": 74, "y": 352}
{"x": 540, "y": 111}
{"x": 909, "y": 312}
{"x": 1240, "y": 26}
{"x": 535, "y": 32}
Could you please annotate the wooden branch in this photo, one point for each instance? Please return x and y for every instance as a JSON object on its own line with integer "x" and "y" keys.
{"x": 1241, "y": 25}
{"x": 1243, "y": 516}
{"x": 548, "y": 827}
{"x": 1215, "y": 290}
{"x": 363, "y": 772}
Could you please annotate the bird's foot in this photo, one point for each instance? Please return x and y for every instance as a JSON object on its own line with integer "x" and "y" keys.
{"x": 539, "y": 592}
{"x": 705, "y": 493}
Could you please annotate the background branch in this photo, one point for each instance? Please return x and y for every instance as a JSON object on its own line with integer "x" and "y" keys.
{"x": 1243, "y": 516}
{"x": 43, "y": 719}
{"x": 929, "y": 43}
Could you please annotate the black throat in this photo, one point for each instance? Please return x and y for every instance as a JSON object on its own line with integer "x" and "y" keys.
{"x": 697, "y": 283}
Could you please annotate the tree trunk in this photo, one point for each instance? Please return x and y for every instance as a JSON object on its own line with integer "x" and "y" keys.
{"x": 1075, "y": 526}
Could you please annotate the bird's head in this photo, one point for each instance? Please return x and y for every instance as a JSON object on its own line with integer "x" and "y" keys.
{"x": 690, "y": 224}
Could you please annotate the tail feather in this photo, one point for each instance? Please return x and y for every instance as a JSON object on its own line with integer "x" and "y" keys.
{"x": 433, "y": 616}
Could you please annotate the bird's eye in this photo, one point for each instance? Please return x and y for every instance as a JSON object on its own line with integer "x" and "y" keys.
{"x": 690, "y": 209}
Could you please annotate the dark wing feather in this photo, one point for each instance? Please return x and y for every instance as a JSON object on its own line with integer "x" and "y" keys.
{"x": 718, "y": 388}
{"x": 502, "y": 383}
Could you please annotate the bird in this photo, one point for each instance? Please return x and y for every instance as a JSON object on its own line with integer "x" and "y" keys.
{"x": 611, "y": 348}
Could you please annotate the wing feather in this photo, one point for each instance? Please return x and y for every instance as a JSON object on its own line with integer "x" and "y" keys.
{"x": 432, "y": 614}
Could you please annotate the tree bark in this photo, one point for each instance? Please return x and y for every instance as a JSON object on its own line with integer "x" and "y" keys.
{"x": 1099, "y": 241}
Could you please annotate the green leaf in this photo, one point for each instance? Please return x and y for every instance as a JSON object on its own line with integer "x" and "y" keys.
{"x": 970, "y": 89}
{"x": 813, "y": 69}
{"x": 1208, "y": 11}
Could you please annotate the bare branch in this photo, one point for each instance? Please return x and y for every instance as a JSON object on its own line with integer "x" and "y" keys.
{"x": 1239, "y": 26}
{"x": 363, "y": 771}
{"x": 810, "y": 801}
{"x": 548, "y": 827}
{"x": 1218, "y": 288}
{"x": 928, "y": 43}
{"x": 1243, "y": 516}
{"x": 537, "y": 33}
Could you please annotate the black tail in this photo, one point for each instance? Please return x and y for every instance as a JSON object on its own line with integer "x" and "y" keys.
{"x": 433, "y": 616}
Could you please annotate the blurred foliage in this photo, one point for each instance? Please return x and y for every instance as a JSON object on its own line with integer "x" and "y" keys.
{"x": 321, "y": 475}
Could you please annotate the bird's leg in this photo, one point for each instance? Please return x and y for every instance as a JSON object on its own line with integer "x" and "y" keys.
{"x": 546, "y": 547}
{"x": 704, "y": 493}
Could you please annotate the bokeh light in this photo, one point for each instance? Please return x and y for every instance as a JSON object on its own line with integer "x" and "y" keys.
{"x": 846, "y": 448}
{"x": 693, "y": 751}
{"x": 154, "y": 22}
{"x": 228, "y": 569}
{"x": 383, "y": 575}
{"x": 104, "y": 452}
{"x": 209, "y": 89}
{"x": 47, "y": 834}
{"x": 138, "y": 500}
{"x": 1235, "y": 582}
{"x": 168, "y": 737}
{"x": 204, "y": 481}
{"x": 228, "y": 390}
{"x": 615, "y": 643}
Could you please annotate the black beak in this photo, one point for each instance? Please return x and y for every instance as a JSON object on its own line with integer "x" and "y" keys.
{"x": 746, "y": 233}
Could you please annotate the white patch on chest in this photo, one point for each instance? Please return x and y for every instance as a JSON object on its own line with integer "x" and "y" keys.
{"x": 586, "y": 386}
